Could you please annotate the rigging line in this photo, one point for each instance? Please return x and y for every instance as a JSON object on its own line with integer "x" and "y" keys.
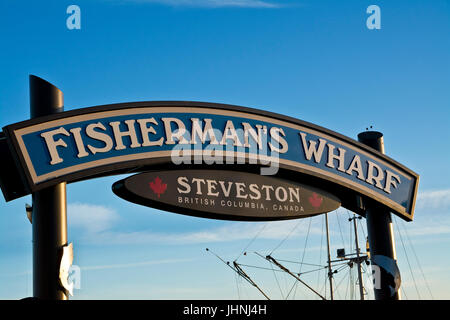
{"x": 271, "y": 259}
{"x": 242, "y": 273}
{"x": 351, "y": 230}
{"x": 341, "y": 281}
{"x": 286, "y": 286}
{"x": 304, "y": 248}
{"x": 404, "y": 294}
{"x": 292, "y": 287}
{"x": 276, "y": 279}
{"x": 314, "y": 270}
{"x": 287, "y": 236}
{"x": 336, "y": 291}
{"x": 323, "y": 288}
{"x": 257, "y": 267}
{"x": 325, "y": 284}
{"x": 295, "y": 284}
{"x": 340, "y": 229}
{"x": 417, "y": 259}
{"x": 306, "y": 242}
{"x": 309, "y": 271}
{"x": 251, "y": 241}
{"x": 295, "y": 287}
{"x": 237, "y": 285}
{"x": 351, "y": 237}
{"x": 320, "y": 251}
{"x": 306, "y": 272}
{"x": 347, "y": 286}
{"x": 225, "y": 262}
{"x": 330, "y": 266}
{"x": 270, "y": 262}
{"x": 407, "y": 260}
{"x": 340, "y": 263}
{"x": 342, "y": 268}
{"x": 352, "y": 285}
{"x": 296, "y": 262}
{"x": 361, "y": 228}
{"x": 338, "y": 285}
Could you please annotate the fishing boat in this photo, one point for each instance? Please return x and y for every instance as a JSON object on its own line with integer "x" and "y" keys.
{"x": 343, "y": 271}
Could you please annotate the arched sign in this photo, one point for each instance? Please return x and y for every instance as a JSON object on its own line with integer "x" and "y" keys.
{"x": 131, "y": 137}
{"x": 224, "y": 194}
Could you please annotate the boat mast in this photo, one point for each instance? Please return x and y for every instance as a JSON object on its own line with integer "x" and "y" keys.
{"x": 358, "y": 259}
{"x": 330, "y": 271}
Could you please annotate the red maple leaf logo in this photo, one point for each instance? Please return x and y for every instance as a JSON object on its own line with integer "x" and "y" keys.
{"x": 157, "y": 186}
{"x": 315, "y": 200}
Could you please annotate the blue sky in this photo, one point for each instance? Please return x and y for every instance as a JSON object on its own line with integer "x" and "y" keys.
{"x": 312, "y": 60}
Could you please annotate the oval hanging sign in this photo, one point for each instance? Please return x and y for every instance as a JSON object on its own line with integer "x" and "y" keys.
{"x": 229, "y": 195}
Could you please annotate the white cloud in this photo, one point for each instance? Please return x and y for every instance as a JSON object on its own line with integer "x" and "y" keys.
{"x": 229, "y": 232}
{"x": 91, "y": 218}
{"x": 432, "y": 214}
{"x": 110, "y": 266}
{"x": 438, "y": 199}
{"x": 134, "y": 264}
{"x": 433, "y": 228}
{"x": 98, "y": 222}
{"x": 213, "y": 3}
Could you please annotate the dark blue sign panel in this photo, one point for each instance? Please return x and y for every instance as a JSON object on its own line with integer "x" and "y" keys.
{"x": 95, "y": 140}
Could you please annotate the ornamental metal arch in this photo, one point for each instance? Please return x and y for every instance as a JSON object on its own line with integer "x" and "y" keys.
{"x": 133, "y": 137}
